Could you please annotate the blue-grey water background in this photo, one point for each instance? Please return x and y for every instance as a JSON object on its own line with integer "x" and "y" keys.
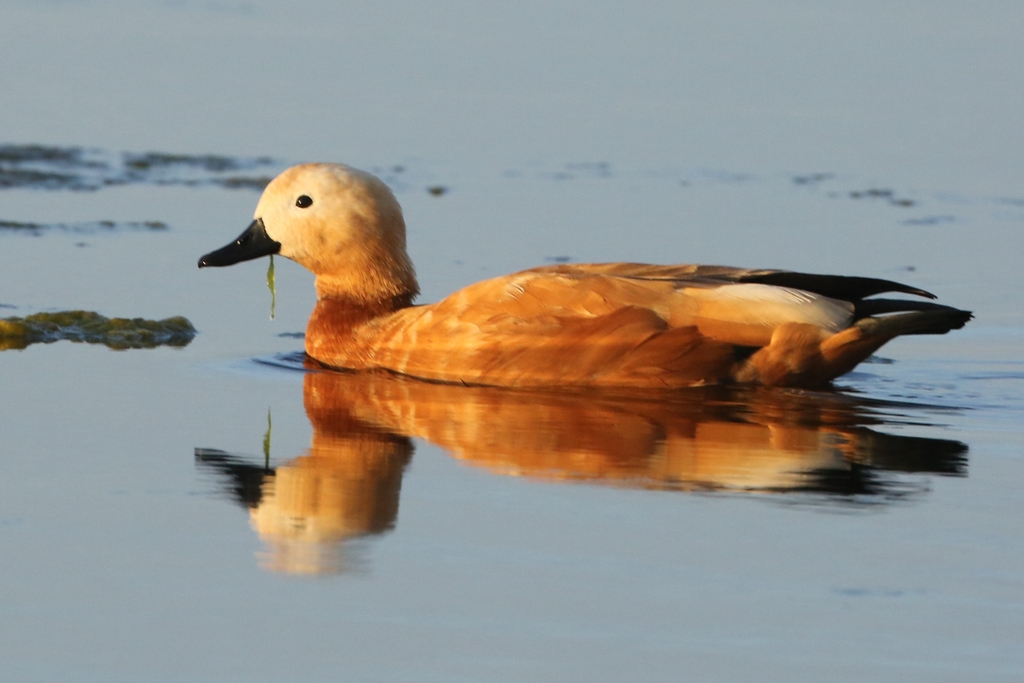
{"x": 863, "y": 138}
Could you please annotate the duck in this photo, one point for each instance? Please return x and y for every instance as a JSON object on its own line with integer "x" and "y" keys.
{"x": 603, "y": 325}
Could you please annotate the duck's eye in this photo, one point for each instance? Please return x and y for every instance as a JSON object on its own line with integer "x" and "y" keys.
{"x": 304, "y": 201}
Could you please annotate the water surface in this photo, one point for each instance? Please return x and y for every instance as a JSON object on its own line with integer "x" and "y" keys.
{"x": 215, "y": 512}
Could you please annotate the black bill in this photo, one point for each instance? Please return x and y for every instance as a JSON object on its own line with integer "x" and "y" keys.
{"x": 252, "y": 243}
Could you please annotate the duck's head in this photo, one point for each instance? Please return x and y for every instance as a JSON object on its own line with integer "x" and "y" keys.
{"x": 342, "y": 224}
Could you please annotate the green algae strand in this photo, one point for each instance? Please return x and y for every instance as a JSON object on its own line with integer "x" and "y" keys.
{"x": 272, "y": 287}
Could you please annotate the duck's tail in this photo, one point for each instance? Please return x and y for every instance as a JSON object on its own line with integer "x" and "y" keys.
{"x": 915, "y": 317}
{"x": 883, "y": 320}
{"x": 897, "y": 317}
{"x": 799, "y": 356}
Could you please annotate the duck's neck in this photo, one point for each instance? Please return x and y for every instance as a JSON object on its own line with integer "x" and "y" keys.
{"x": 342, "y": 314}
{"x": 350, "y": 297}
{"x": 371, "y": 275}
{"x": 333, "y": 331}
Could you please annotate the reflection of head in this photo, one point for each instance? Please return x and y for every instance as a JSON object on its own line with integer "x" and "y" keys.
{"x": 347, "y": 486}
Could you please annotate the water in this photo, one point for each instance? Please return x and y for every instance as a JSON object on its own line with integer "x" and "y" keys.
{"x": 154, "y": 529}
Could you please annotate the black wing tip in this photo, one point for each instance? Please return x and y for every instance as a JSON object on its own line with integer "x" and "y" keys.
{"x": 843, "y": 287}
{"x": 919, "y": 292}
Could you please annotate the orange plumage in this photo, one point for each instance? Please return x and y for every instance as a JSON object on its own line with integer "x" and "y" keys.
{"x": 611, "y": 325}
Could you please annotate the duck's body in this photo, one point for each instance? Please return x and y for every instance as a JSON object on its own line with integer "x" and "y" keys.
{"x": 612, "y": 325}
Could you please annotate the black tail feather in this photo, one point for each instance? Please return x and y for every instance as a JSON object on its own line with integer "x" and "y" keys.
{"x": 869, "y": 307}
{"x": 934, "y": 320}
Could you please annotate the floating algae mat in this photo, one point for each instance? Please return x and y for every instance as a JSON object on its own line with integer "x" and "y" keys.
{"x": 93, "y": 328}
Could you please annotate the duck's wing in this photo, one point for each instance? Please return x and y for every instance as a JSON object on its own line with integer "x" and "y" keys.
{"x": 842, "y": 287}
{"x": 546, "y": 327}
{"x": 726, "y": 304}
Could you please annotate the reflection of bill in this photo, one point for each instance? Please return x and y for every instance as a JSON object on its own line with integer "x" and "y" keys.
{"x": 704, "y": 439}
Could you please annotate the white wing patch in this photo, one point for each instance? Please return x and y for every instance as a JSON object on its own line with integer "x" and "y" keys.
{"x": 771, "y": 305}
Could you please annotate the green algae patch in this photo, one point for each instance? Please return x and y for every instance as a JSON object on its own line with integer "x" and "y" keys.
{"x": 93, "y": 328}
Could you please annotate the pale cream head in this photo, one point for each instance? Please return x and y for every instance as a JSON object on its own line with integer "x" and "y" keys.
{"x": 351, "y": 236}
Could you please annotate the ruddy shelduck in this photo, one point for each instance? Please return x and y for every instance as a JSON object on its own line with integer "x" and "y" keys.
{"x": 625, "y": 325}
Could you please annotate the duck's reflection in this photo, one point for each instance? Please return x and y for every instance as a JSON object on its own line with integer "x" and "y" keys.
{"x": 706, "y": 439}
